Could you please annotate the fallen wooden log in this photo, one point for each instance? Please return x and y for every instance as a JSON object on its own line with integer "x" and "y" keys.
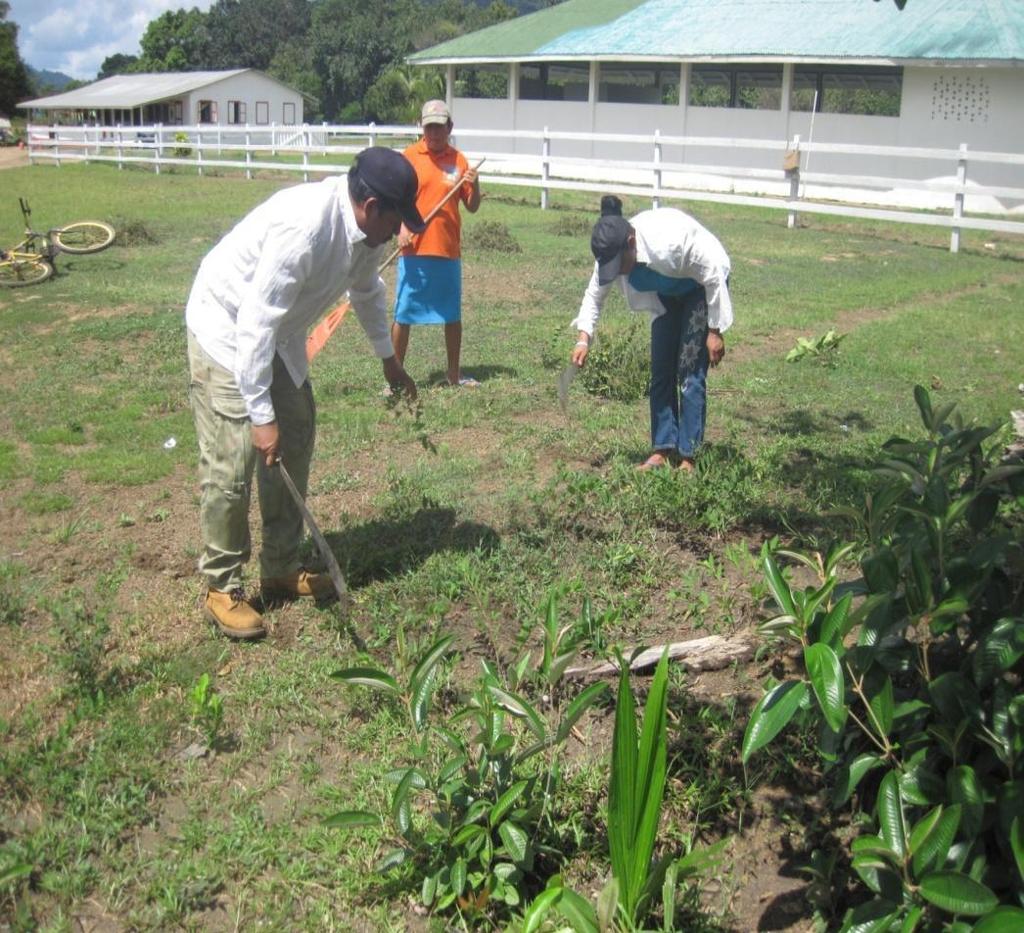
{"x": 711, "y": 653}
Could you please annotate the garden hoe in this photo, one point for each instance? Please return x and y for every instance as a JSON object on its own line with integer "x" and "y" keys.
{"x": 333, "y": 570}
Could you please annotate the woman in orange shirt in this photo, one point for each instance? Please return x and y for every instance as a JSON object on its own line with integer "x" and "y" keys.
{"x": 429, "y": 288}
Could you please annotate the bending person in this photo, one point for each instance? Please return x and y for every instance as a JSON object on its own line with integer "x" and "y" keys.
{"x": 254, "y": 298}
{"x": 677, "y": 271}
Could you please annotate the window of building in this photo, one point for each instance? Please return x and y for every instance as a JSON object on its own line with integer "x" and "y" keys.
{"x": 236, "y": 111}
{"x": 262, "y": 112}
{"x": 637, "y": 83}
{"x": 288, "y": 114}
{"x": 554, "y": 81}
{"x": 482, "y": 81}
{"x": 207, "y": 111}
{"x": 749, "y": 87}
{"x": 874, "y": 91}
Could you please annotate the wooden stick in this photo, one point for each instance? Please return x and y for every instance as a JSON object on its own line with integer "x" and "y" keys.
{"x": 320, "y": 334}
{"x": 701, "y": 654}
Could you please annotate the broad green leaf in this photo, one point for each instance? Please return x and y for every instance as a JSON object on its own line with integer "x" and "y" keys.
{"x": 779, "y": 586}
{"x": 578, "y": 911}
{"x": 429, "y": 890}
{"x": 579, "y": 706}
{"x": 400, "y": 808}
{"x": 519, "y": 708}
{"x": 352, "y": 819}
{"x": 1016, "y": 837}
{"x": 14, "y": 871}
{"x": 931, "y": 838}
{"x": 428, "y": 662}
{"x": 467, "y": 834}
{"x": 890, "y": 814}
{"x": 828, "y": 683}
{"x": 874, "y": 845}
{"x": 771, "y": 715}
{"x": 850, "y": 776}
{"x": 539, "y": 908}
{"x": 924, "y": 406}
{"x": 515, "y": 840}
{"x": 964, "y": 788}
{"x": 393, "y": 859}
{"x": 912, "y": 920}
{"x": 419, "y": 702}
{"x": 879, "y": 876}
{"x": 608, "y": 905}
{"x": 1004, "y": 919}
{"x": 875, "y": 916}
{"x": 957, "y": 893}
{"x": 998, "y": 650}
{"x": 458, "y": 876}
{"x": 368, "y": 677}
{"x": 622, "y": 804}
{"x": 834, "y": 625}
{"x": 505, "y": 802}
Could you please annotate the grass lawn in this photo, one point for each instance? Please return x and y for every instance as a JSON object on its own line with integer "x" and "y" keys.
{"x": 466, "y": 522}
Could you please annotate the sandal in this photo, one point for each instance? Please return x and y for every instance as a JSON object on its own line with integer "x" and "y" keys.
{"x": 467, "y": 382}
{"x": 654, "y": 462}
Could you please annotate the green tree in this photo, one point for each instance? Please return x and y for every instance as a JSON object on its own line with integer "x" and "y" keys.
{"x": 399, "y": 93}
{"x": 293, "y": 65}
{"x": 14, "y": 82}
{"x": 177, "y": 40}
{"x": 250, "y": 33}
{"x": 117, "y": 64}
{"x": 352, "y": 42}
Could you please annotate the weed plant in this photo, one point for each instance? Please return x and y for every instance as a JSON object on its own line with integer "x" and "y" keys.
{"x": 494, "y": 237}
{"x": 916, "y": 691}
{"x": 12, "y": 599}
{"x": 618, "y": 365}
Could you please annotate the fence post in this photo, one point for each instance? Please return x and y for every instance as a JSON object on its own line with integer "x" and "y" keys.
{"x": 120, "y": 147}
{"x": 325, "y": 138}
{"x": 305, "y": 152}
{"x": 656, "y": 201}
{"x": 159, "y": 144}
{"x": 248, "y": 154}
{"x": 273, "y": 139}
{"x": 958, "y": 200}
{"x": 794, "y": 181}
{"x": 199, "y": 151}
{"x": 545, "y": 169}
{"x": 220, "y": 142}
{"x": 56, "y": 144}
{"x": 373, "y": 134}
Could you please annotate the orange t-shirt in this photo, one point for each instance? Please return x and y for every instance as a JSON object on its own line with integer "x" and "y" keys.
{"x": 437, "y": 174}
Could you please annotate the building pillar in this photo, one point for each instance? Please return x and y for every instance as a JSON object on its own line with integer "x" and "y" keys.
{"x": 787, "y": 97}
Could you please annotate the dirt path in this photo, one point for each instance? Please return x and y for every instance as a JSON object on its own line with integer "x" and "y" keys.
{"x": 13, "y": 157}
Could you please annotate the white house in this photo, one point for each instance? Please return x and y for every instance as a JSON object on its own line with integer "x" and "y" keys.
{"x": 217, "y": 98}
{"x": 938, "y": 73}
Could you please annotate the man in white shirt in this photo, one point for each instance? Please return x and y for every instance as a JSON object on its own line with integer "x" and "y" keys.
{"x": 254, "y": 298}
{"x": 670, "y": 266}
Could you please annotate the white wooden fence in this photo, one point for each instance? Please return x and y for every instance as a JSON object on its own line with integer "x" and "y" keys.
{"x": 782, "y": 179}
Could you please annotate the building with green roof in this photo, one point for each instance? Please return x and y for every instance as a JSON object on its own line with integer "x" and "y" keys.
{"x": 936, "y": 73}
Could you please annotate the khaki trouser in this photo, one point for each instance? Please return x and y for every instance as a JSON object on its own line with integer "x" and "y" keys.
{"x": 226, "y": 462}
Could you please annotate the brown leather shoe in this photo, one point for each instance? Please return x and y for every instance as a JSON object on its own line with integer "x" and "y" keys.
{"x": 301, "y": 583}
{"x": 233, "y": 614}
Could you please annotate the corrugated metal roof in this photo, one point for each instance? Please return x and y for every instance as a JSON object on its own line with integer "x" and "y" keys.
{"x": 127, "y": 91}
{"x": 925, "y": 30}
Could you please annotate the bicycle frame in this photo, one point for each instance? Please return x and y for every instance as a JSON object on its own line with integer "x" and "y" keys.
{"x": 27, "y": 248}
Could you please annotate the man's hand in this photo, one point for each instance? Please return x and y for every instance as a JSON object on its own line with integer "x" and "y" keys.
{"x": 716, "y": 347}
{"x": 398, "y": 378}
{"x": 582, "y": 348}
{"x": 265, "y": 439}
{"x": 405, "y": 237}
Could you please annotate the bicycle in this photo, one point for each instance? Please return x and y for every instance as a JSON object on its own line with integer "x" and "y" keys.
{"x": 31, "y": 261}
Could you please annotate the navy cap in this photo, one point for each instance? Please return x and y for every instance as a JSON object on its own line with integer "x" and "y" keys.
{"x": 607, "y": 243}
{"x": 390, "y": 176}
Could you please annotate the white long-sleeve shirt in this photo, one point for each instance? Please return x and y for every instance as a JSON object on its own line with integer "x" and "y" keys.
{"x": 259, "y": 290}
{"x": 674, "y": 244}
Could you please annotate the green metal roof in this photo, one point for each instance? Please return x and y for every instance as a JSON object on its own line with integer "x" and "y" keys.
{"x": 925, "y": 30}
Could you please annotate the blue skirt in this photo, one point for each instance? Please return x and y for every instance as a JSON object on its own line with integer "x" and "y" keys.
{"x": 429, "y": 290}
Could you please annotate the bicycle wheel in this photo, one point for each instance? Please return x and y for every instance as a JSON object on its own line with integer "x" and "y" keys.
{"x": 14, "y": 273}
{"x": 86, "y": 236}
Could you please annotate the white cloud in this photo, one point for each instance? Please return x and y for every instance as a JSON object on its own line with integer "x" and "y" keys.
{"x": 75, "y": 37}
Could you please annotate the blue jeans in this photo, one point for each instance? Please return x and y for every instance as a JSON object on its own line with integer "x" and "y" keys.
{"x": 679, "y": 370}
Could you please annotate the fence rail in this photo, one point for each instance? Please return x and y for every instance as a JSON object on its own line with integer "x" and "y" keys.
{"x": 318, "y": 149}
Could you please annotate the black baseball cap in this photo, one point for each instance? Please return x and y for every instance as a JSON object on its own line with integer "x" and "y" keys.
{"x": 390, "y": 176}
{"x": 607, "y": 243}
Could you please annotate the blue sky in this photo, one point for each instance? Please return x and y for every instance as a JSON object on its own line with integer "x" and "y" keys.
{"x": 75, "y": 37}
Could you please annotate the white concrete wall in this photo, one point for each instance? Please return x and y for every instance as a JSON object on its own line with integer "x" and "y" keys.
{"x": 249, "y": 88}
{"x": 941, "y": 107}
